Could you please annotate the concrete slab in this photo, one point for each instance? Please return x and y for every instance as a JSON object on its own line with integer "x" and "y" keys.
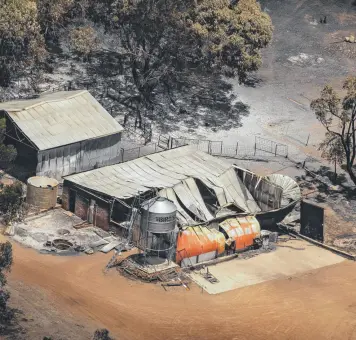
{"x": 290, "y": 258}
{"x": 37, "y": 230}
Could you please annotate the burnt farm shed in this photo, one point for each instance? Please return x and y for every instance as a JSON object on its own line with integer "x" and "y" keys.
{"x": 204, "y": 189}
{"x": 61, "y": 133}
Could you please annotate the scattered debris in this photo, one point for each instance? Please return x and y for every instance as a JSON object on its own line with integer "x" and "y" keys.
{"x": 62, "y": 244}
{"x": 350, "y": 39}
{"x": 306, "y": 59}
{"x": 10, "y": 230}
{"x": 178, "y": 283}
{"x": 110, "y": 246}
{"x": 41, "y": 232}
{"x": 63, "y": 232}
{"x": 209, "y": 277}
{"x": 133, "y": 267}
{"x": 347, "y": 242}
{"x": 89, "y": 251}
{"x": 101, "y": 242}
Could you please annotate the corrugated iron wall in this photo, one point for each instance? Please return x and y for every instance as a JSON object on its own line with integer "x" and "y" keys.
{"x": 78, "y": 157}
{"x": 267, "y": 195}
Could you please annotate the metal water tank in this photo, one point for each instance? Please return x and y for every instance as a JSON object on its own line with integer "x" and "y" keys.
{"x": 42, "y": 192}
{"x": 158, "y": 215}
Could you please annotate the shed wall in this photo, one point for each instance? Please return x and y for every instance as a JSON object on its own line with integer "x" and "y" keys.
{"x": 26, "y": 154}
{"x": 78, "y": 157}
{"x": 101, "y": 216}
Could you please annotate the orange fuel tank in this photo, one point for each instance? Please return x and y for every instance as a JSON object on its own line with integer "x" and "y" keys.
{"x": 198, "y": 240}
{"x": 242, "y": 230}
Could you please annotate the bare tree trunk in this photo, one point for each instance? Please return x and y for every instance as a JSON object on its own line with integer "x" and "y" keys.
{"x": 138, "y": 117}
{"x": 351, "y": 173}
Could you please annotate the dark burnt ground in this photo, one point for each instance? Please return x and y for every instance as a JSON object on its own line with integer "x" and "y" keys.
{"x": 304, "y": 55}
{"x": 298, "y": 30}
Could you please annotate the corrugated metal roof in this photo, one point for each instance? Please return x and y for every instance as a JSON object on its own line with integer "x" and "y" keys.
{"x": 160, "y": 170}
{"x": 173, "y": 169}
{"x": 61, "y": 118}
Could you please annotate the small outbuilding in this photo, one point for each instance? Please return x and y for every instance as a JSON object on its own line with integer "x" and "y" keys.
{"x": 61, "y": 133}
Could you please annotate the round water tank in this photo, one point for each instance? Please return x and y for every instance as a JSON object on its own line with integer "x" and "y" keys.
{"x": 42, "y": 192}
{"x": 158, "y": 215}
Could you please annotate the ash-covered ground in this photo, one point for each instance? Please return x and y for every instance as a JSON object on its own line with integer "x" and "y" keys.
{"x": 303, "y": 56}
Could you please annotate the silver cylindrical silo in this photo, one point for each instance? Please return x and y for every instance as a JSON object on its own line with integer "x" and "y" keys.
{"x": 158, "y": 215}
{"x": 42, "y": 192}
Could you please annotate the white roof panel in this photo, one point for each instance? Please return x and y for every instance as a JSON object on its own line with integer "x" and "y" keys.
{"x": 60, "y": 118}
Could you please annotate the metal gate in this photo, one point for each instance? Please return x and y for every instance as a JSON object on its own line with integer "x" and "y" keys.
{"x": 269, "y": 146}
{"x": 312, "y": 220}
{"x": 164, "y": 142}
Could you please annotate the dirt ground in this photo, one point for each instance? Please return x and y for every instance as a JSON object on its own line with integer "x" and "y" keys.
{"x": 73, "y": 297}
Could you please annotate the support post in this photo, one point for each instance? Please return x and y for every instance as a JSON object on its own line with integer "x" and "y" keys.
{"x": 237, "y": 147}
{"x": 275, "y": 150}
{"x": 307, "y": 140}
{"x": 221, "y": 146}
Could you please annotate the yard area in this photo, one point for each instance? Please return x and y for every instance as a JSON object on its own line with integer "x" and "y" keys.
{"x": 292, "y": 257}
{"x": 73, "y": 297}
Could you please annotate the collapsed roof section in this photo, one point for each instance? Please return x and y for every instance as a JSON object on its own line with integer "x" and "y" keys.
{"x": 202, "y": 187}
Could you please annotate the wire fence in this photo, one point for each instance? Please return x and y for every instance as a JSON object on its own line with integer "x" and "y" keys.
{"x": 139, "y": 151}
{"x": 271, "y": 147}
{"x": 219, "y": 148}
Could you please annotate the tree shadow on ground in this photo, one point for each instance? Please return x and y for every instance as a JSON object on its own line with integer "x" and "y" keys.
{"x": 205, "y": 102}
{"x": 253, "y": 81}
{"x": 190, "y": 101}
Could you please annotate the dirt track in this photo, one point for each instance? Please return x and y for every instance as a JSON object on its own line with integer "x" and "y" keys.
{"x": 317, "y": 305}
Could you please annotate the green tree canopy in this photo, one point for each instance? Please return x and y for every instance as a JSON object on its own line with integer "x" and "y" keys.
{"x": 338, "y": 118}
{"x": 161, "y": 43}
{"x": 21, "y": 43}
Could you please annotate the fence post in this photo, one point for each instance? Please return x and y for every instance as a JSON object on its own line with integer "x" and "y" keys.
{"x": 122, "y": 154}
{"x": 307, "y": 140}
{"x": 255, "y": 145}
{"x": 237, "y": 147}
{"x": 139, "y": 149}
{"x": 221, "y": 147}
{"x": 209, "y": 147}
{"x": 275, "y": 150}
